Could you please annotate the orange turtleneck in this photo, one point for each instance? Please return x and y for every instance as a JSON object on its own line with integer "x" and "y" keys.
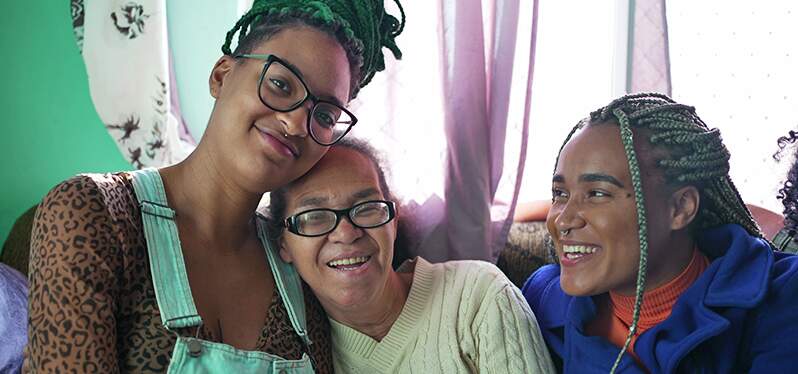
{"x": 614, "y": 312}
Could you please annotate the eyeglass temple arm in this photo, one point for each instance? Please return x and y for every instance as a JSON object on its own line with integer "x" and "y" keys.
{"x": 255, "y": 56}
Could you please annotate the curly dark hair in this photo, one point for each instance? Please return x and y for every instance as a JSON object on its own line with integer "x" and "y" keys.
{"x": 788, "y": 194}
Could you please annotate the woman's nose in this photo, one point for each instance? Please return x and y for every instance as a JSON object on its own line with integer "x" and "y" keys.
{"x": 346, "y": 232}
{"x": 295, "y": 121}
{"x": 568, "y": 219}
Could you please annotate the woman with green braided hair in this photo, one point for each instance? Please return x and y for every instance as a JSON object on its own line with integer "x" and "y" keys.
{"x": 170, "y": 269}
{"x": 661, "y": 268}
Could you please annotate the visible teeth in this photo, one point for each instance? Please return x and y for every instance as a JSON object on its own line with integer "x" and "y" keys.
{"x": 348, "y": 261}
{"x": 578, "y": 249}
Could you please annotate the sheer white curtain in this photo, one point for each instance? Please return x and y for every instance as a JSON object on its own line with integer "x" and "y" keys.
{"x": 452, "y": 118}
{"x": 736, "y": 63}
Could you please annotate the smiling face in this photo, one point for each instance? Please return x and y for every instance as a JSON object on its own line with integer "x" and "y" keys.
{"x": 593, "y": 219}
{"x": 267, "y": 148}
{"x": 349, "y": 267}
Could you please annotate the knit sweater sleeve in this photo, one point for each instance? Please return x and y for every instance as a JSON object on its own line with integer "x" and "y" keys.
{"x": 508, "y": 336}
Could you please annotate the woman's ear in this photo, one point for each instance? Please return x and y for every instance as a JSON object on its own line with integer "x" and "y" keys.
{"x": 223, "y": 66}
{"x": 284, "y": 253}
{"x": 684, "y": 206}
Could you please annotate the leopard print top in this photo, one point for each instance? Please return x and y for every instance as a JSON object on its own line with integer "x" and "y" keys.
{"x": 92, "y": 302}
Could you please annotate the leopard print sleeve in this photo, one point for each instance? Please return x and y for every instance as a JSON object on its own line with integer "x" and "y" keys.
{"x": 74, "y": 269}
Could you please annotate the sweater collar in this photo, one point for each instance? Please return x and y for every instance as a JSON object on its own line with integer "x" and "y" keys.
{"x": 657, "y": 303}
{"x": 382, "y": 354}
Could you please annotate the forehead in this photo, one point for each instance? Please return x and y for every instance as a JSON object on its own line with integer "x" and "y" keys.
{"x": 317, "y": 55}
{"x": 339, "y": 174}
{"x": 596, "y": 148}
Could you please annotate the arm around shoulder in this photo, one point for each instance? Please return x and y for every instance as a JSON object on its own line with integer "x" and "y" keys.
{"x": 73, "y": 260}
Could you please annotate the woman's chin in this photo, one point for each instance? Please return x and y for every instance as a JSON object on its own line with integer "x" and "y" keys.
{"x": 576, "y": 288}
{"x": 348, "y": 300}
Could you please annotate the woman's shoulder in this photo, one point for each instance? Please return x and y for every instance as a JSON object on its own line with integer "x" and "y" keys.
{"x": 92, "y": 183}
{"x": 475, "y": 271}
{"x": 87, "y": 212}
{"x": 544, "y": 283}
{"x": 783, "y": 288}
{"x": 90, "y": 192}
{"x": 785, "y": 267}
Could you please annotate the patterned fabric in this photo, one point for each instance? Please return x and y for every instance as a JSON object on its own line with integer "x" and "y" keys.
{"x": 526, "y": 250}
{"x": 13, "y": 317}
{"x": 76, "y": 6}
{"x": 124, "y": 45}
{"x": 784, "y": 241}
{"x": 92, "y": 302}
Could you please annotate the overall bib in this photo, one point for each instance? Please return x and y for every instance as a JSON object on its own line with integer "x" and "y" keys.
{"x": 176, "y": 305}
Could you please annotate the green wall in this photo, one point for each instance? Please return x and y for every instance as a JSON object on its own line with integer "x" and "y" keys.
{"x": 197, "y": 29}
{"x": 50, "y": 130}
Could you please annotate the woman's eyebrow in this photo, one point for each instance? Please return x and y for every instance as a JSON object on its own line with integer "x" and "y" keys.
{"x": 364, "y": 193}
{"x": 331, "y": 99}
{"x": 322, "y": 96}
{"x": 598, "y": 177}
{"x": 313, "y": 201}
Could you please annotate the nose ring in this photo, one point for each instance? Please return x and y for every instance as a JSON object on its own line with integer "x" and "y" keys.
{"x": 565, "y": 232}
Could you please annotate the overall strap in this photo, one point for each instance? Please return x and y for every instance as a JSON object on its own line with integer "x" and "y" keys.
{"x": 169, "y": 277}
{"x": 288, "y": 283}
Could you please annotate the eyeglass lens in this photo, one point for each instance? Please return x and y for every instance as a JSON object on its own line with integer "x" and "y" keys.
{"x": 365, "y": 215}
{"x": 281, "y": 89}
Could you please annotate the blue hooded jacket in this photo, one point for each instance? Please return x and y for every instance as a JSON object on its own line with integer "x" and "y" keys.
{"x": 740, "y": 315}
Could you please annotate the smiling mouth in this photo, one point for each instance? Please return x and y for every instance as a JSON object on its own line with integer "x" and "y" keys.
{"x": 279, "y": 142}
{"x": 573, "y": 252}
{"x": 348, "y": 264}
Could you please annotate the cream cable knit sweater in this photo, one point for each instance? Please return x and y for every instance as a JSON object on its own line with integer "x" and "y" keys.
{"x": 460, "y": 317}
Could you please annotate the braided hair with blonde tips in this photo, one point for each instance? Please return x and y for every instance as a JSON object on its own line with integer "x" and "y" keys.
{"x": 363, "y": 27}
{"x": 695, "y": 155}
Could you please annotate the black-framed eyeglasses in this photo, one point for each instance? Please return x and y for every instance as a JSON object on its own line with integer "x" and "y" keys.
{"x": 282, "y": 89}
{"x": 322, "y": 221}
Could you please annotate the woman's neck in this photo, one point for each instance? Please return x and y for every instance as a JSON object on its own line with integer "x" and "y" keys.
{"x": 206, "y": 198}
{"x": 376, "y": 317}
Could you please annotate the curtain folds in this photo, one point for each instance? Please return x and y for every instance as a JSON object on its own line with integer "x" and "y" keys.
{"x": 451, "y": 120}
{"x": 482, "y": 133}
{"x": 649, "y": 61}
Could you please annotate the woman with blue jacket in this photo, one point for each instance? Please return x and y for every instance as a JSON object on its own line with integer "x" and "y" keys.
{"x": 661, "y": 268}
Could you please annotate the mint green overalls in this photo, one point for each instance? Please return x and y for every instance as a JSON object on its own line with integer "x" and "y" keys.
{"x": 176, "y": 305}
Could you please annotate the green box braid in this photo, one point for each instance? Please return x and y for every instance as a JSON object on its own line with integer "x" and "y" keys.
{"x": 364, "y": 24}
{"x": 697, "y": 157}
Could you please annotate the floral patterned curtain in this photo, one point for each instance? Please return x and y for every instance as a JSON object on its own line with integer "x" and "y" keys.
{"x": 125, "y": 47}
